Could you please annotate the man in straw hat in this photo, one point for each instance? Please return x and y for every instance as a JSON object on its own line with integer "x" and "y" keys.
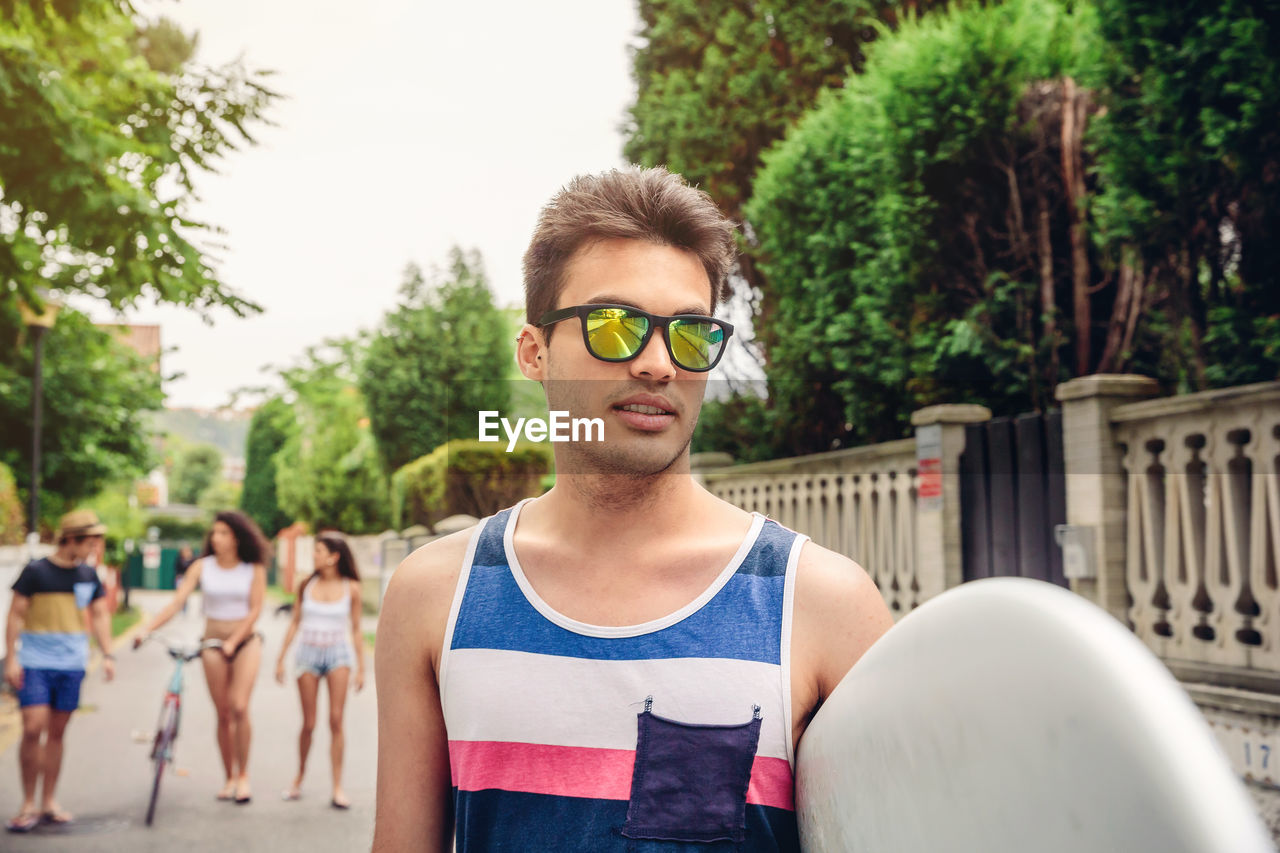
{"x": 47, "y": 612}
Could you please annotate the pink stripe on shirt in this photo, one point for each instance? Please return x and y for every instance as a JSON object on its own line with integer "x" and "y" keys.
{"x": 575, "y": 771}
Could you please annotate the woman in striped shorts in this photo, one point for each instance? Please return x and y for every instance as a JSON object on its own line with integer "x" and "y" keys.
{"x": 327, "y": 616}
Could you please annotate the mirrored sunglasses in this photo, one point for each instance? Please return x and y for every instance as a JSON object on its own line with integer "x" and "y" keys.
{"x": 620, "y": 332}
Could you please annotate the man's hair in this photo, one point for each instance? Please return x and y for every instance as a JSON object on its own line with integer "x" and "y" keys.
{"x": 653, "y": 205}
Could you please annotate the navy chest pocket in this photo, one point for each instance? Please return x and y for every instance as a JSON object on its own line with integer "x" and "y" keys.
{"x": 689, "y": 786}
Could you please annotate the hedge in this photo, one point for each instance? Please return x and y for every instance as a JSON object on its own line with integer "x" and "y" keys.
{"x": 468, "y": 477}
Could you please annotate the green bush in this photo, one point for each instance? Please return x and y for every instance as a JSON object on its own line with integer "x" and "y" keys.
{"x": 11, "y": 519}
{"x": 466, "y": 476}
{"x": 739, "y": 425}
{"x": 881, "y": 224}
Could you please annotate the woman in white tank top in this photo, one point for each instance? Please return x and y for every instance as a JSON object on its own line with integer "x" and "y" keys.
{"x": 326, "y": 615}
{"x": 233, "y": 579}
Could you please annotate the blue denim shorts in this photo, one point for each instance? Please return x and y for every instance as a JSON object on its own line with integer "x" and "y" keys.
{"x": 321, "y": 660}
{"x": 57, "y": 688}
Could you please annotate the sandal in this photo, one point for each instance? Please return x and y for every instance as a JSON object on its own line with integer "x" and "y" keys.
{"x": 58, "y": 817}
{"x": 24, "y": 822}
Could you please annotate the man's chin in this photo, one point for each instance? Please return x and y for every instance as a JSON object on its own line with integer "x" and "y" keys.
{"x": 625, "y": 458}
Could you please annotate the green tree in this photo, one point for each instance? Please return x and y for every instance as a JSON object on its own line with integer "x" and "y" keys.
{"x": 11, "y": 518}
{"x": 718, "y": 82}
{"x": 106, "y": 123}
{"x": 440, "y": 357}
{"x": 1010, "y": 195}
{"x": 220, "y": 495}
{"x": 269, "y": 429}
{"x": 97, "y": 394}
{"x": 1188, "y": 159}
{"x": 913, "y": 227}
{"x": 738, "y": 424}
{"x": 196, "y": 468}
{"x": 122, "y": 516}
{"x": 329, "y": 473}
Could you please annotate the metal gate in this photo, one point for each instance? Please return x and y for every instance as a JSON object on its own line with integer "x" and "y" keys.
{"x": 1012, "y": 493}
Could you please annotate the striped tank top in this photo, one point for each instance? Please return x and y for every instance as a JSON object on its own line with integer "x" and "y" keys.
{"x": 666, "y": 736}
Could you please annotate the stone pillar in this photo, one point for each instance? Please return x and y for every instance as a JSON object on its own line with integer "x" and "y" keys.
{"x": 1095, "y": 477}
{"x": 939, "y": 443}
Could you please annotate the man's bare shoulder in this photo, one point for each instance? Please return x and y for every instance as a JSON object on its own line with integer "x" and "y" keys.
{"x": 416, "y": 606}
{"x": 825, "y": 573}
{"x": 839, "y": 612}
{"x": 434, "y": 565}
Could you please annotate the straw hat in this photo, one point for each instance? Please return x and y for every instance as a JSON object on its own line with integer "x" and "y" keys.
{"x": 80, "y": 522}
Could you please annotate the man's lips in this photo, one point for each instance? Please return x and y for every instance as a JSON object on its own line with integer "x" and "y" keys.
{"x": 645, "y": 413}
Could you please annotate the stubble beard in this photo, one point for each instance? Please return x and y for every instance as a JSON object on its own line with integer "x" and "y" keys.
{"x": 603, "y": 472}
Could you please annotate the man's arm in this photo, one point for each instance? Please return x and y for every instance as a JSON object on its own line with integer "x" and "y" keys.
{"x": 839, "y": 614}
{"x": 414, "y": 802}
{"x": 13, "y": 627}
{"x": 100, "y": 618}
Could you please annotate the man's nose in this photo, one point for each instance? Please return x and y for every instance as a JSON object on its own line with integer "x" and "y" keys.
{"x": 654, "y": 362}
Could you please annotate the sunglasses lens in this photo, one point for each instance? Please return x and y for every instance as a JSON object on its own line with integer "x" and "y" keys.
{"x": 696, "y": 344}
{"x": 614, "y": 333}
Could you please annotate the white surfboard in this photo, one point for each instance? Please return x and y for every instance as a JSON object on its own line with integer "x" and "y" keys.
{"x": 1012, "y": 715}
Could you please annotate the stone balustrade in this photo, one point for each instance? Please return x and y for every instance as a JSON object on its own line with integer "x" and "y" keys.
{"x": 860, "y": 502}
{"x": 1202, "y": 541}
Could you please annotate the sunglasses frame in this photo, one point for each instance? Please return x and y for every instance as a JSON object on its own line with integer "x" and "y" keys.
{"x": 654, "y": 320}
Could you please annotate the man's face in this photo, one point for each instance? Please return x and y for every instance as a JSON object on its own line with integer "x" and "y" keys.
{"x": 84, "y": 546}
{"x": 657, "y": 279}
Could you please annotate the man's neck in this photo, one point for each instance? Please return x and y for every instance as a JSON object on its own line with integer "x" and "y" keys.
{"x": 588, "y": 506}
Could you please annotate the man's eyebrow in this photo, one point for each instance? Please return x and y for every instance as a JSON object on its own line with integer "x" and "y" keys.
{"x": 606, "y": 299}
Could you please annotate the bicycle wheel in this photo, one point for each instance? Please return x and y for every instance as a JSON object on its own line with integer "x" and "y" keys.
{"x": 160, "y": 758}
{"x": 166, "y": 734}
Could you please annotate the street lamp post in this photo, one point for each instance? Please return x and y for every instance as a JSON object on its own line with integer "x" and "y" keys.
{"x": 38, "y": 322}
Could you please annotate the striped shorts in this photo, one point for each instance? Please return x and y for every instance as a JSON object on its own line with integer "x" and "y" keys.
{"x": 321, "y": 660}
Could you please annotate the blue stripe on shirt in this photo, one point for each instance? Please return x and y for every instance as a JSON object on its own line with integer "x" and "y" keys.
{"x": 54, "y": 650}
{"x": 496, "y": 615}
{"x": 767, "y": 558}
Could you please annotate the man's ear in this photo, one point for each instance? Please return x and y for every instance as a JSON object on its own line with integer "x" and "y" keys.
{"x": 531, "y": 353}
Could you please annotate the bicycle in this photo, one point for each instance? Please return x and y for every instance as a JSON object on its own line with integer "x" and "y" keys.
{"x": 170, "y": 711}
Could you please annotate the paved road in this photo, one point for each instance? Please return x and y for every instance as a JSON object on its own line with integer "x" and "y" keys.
{"x": 106, "y": 775}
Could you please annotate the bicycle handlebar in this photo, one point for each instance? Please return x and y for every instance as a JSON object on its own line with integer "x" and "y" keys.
{"x": 183, "y": 652}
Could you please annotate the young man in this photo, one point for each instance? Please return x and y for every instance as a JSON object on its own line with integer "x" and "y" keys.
{"x": 47, "y": 612}
{"x": 626, "y": 663}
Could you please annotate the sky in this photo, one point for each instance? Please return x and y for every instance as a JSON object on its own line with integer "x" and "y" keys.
{"x": 409, "y": 126}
